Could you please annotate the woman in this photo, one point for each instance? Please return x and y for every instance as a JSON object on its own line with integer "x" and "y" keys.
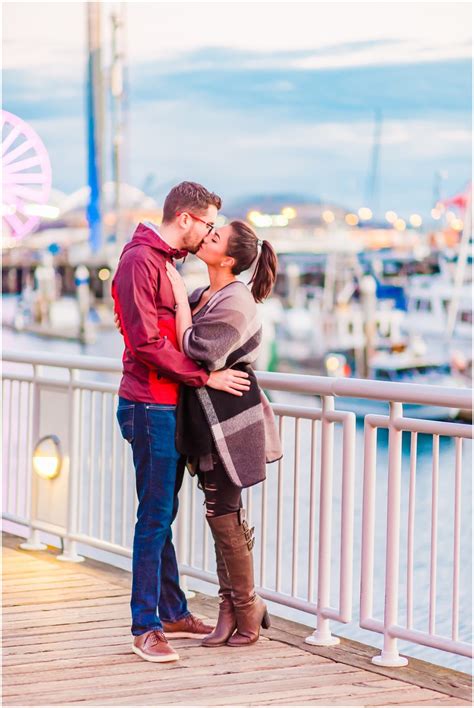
{"x": 228, "y": 442}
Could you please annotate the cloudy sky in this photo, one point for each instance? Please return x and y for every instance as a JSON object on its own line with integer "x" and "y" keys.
{"x": 260, "y": 97}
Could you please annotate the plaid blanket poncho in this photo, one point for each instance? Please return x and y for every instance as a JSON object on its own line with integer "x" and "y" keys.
{"x": 225, "y": 333}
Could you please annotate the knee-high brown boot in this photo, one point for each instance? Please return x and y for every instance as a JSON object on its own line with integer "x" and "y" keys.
{"x": 226, "y": 622}
{"x": 235, "y": 541}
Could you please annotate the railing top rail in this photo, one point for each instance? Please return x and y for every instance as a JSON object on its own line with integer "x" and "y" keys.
{"x": 295, "y": 383}
{"x": 424, "y": 394}
{"x": 65, "y": 361}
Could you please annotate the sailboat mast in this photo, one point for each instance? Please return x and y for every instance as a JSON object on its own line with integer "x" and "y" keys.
{"x": 117, "y": 88}
{"x": 372, "y": 190}
{"x": 95, "y": 125}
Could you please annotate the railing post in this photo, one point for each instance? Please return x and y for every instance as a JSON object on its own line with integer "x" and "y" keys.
{"x": 322, "y": 635}
{"x": 70, "y": 546}
{"x": 390, "y": 655}
{"x": 33, "y": 543}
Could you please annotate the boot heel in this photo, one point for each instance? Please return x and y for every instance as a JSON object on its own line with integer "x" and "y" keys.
{"x": 266, "y": 621}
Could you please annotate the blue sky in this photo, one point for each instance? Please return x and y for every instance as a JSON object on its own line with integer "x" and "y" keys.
{"x": 293, "y": 112}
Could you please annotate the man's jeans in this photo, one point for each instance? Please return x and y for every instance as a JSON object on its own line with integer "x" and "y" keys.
{"x": 150, "y": 429}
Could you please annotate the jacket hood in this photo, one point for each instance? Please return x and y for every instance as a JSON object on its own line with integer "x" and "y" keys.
{"x": 147, "y": 236}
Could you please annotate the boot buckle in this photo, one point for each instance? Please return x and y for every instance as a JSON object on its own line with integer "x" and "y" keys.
{"x": 249, "y": 536}
{"x": 241, "y": 516}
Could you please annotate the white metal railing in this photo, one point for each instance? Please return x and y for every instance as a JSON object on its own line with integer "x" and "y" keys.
{"x": 303, "y": 514}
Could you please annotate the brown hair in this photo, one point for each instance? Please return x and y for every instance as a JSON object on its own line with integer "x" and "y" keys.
{"x": 188, "y": 196}
{"x": 243, "y": 247}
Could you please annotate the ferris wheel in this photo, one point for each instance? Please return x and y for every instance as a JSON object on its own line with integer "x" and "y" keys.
{"x": 26, "y": 175}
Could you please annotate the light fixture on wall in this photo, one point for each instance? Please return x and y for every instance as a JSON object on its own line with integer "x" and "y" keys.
{"x": 47, "y": 457}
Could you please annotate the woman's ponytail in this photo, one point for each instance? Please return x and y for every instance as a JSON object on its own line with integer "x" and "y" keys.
{"x": 244, "y": 246}
{"x": 264, "y": 275}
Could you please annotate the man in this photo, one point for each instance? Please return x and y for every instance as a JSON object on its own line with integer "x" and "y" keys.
{"x": 153, "y": 367}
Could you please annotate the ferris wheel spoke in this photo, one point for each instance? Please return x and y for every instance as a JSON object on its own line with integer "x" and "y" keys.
{"x": 31, "y": 178}
{"x": 15, "y": 222}
{"x": 20, "y": 150}
{"x": 26, "y": 175}
{"x": 10, "y": 139}
{"x": 23, "y": 165}
{"x": 21, "y": 207}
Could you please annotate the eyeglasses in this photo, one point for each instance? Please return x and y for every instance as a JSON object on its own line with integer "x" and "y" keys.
{"x": 210, "y": 227}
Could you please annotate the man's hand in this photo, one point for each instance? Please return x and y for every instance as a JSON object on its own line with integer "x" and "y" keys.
{"x": 117, "y": 323}
{"x": 229, "y": 380}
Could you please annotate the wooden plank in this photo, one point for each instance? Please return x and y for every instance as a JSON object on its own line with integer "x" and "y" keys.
{"x": 99, "y": 624}
{"x": 41, "y": 600}
{"x": 119, "y": 674}
{"x": 99, "y": 650}
{"x": 78, "y": 644}
{"x": 17, "y": 639}
{"x": 419, "y": 673}
{"x": 102, "y": 649}
{"x": 164, "y": 678}
{"x": 116, "y": 598}
{"x": 87, "y": 614}
{"x": 91, "y": 567}
{"x": 53, "y": 581}
{"x": 32, "y": 571}
{"x": 202, "y": 664}
{"x": 188, "y": 658}
{"x": 187, "y": 678}
{"x": 392, "y": 697}
{"x": 445, "y": 701}
{"x": 236, "y": 692}
{"x": 283, "y": 695}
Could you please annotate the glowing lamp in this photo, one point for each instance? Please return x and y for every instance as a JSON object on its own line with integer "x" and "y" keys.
{"x": 104, "y": 274}
{"x": 328, "y": 216}
{"x": 400, "y": 224}
{"x": 253, "y": 216}
{"x": 365, "y": 213}
{"x": 336, "y": 365}
{"x": 289, "y": 212}
{"x": 47, "y": 457}
{"x": 416, "y": 220}
{"x": 332, "y": 363}
{"x": 351, "y": 219}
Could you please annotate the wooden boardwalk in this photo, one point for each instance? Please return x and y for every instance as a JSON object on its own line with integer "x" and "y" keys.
{"x": 66, "y": 641}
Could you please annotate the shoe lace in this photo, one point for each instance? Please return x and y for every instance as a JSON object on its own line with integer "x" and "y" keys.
{"x": 195, "y": 622}
{"x": 157, "y": 636}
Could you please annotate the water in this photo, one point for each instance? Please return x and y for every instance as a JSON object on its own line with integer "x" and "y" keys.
{"x": 110, "y": 344}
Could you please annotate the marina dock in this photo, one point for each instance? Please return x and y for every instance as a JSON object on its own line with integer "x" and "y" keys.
{"x": 66, "y": 640}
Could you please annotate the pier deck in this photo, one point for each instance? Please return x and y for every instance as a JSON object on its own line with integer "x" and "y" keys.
{"x": 66, "y": 640}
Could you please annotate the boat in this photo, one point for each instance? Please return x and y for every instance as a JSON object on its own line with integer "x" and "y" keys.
{"x": 412, "y": 365}
{"x": 429, "y": 301}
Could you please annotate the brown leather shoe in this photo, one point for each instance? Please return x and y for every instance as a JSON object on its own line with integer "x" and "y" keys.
{"x": 153, "y": 646}
{"x": 188, "y": 627}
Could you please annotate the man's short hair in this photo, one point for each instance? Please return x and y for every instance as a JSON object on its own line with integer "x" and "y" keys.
{"x": 189, "y": 196}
